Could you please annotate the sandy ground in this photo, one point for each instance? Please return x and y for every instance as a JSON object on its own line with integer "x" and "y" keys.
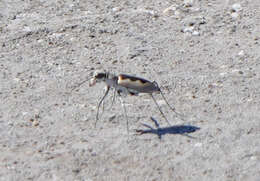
{"x": 205, "y": 55}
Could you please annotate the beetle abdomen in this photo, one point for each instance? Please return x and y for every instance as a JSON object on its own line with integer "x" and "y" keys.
{"x": 136, "y": 83}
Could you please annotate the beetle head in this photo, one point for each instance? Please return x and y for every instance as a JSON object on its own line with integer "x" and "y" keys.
{"x": 98, "y": 77}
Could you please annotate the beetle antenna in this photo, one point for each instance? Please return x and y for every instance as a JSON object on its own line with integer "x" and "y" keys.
{"x": 79, "y": 84}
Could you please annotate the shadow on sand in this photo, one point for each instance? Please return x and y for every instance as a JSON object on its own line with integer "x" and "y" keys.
{"x": 178, "y": 129}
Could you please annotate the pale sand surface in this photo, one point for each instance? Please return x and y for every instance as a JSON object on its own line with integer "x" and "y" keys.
{"x": 204, "y": 55}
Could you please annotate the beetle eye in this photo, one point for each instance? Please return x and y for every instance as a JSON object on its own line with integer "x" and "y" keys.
{"x": 100, "y": 75}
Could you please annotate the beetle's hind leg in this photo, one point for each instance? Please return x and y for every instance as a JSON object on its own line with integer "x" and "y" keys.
{"x": 160, "y": 109}
{"x": 172, "y": 108}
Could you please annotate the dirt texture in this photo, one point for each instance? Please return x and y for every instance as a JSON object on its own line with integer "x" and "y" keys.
{"x": 205, "y": 55}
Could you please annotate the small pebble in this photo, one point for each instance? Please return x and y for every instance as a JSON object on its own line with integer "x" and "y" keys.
{"x": 198, "y": 145}
{"x": 116, "y": 9}
{"x": 188, "y": 3}
{"x": 170, "y": 10}
{"x": 196, "y": 33}
{"x": 236, "y": 7}
{"x": 35, "y": 123}
{"x": 234, "y": 15}
{"x": 241, "y": 53}
{"x": 188, "y": 29}
{"x": 27, "y": 29}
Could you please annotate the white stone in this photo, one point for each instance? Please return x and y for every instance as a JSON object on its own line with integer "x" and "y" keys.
{"x": 241, "y": 53}
{"x": 188, "y": 29}
{"x": 196, "y": 33}
{"x": 170, "y": 10}
{"x": 223, "y": 74}
{"x": 236, "y": 7}
{"x": 234, "y": 15}
{"x": 116, "y": 9}
{"x": 198, "y": 145}
{"x": 188, "y": 3}
{"x": 27, "y": 29}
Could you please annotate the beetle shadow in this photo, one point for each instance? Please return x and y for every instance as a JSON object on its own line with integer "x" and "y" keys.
{"x": 177, "y": 129}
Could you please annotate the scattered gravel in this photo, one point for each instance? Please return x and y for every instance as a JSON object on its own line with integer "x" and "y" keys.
{"x": 204, "y": 55}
